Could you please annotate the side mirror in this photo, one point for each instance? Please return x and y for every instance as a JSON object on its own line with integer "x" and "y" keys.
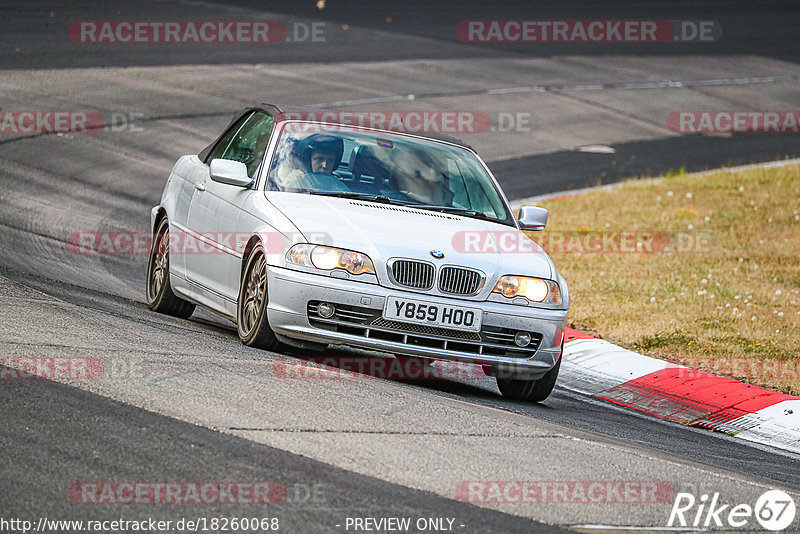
{"x": 230, "y": 172}
{"x": 532, "y": 218}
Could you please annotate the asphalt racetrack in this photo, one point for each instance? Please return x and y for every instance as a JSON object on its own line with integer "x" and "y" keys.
{"x": 185, "y": 401}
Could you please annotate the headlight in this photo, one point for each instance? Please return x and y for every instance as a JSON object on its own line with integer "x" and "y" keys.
{"x": 533, "y": 289}
{"x": 330, "y": 258}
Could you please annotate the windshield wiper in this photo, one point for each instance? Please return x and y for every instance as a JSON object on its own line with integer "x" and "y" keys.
{"x": 386, "y": 200}
{"x": 456, "y": 211}
{"x": 358, "y": 196}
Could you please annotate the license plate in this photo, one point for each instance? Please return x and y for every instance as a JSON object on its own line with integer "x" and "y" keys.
{"x": 432, "y": 314}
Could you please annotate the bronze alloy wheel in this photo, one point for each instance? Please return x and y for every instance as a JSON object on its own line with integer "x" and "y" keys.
{"x": 251, "y": 309}
{"x": 254, "y": 291}
{"x": 158, "y": 266}
{"x": 160, "y": 296}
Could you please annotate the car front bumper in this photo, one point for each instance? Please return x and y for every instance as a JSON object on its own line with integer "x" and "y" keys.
{"x": 292, "y": 295}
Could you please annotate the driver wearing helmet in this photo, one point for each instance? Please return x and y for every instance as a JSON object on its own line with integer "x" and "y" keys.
{"x": 317, "y": 156}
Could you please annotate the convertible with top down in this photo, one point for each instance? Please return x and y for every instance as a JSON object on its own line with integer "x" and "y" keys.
{"x": 310, "y": 234}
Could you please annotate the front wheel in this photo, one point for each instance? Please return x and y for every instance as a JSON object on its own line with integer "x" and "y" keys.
{"x": 251, "y": 308}
{"x": 530, "y": 390}
{"x": 160, "y": 297}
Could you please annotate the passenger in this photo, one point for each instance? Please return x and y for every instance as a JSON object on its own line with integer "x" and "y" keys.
{"x": 429, "y": 185}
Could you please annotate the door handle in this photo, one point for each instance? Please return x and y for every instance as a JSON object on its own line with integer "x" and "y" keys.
{"x": 200, "y": 186}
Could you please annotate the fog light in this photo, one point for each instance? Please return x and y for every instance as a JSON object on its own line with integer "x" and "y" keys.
{"x": 522, "y": 339}
{"x": 325, "y": 310}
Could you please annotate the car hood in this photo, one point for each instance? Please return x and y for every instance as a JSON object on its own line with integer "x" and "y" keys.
{"x": 385, "y": 231}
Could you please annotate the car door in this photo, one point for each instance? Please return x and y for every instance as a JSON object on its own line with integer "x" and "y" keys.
{"x": 215, "y": 208}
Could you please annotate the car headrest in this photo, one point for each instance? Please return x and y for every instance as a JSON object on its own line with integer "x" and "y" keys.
{"x": 365, "y": 161}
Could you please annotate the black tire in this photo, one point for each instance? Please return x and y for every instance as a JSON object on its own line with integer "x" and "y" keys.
{"x": 251, "y": 307}
{"x": 160, "y": 297}
{"x": 530, "y": 390}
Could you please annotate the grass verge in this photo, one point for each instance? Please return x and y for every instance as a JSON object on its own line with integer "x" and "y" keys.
{"x": 709, "y": 274}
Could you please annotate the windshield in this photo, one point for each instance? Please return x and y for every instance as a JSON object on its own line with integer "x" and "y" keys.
{"x": 383, "y": 167}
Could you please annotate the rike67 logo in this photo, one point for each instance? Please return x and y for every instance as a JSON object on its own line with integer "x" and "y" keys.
{"x": 774, "y": 510}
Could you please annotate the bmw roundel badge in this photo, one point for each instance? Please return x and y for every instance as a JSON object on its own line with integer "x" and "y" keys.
{"x": 438, "y": 254}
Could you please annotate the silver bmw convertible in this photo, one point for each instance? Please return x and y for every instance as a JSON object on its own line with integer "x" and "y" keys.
{"x": 311, "y": 233}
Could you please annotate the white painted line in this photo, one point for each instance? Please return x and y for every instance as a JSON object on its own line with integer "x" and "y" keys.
{"x": 566, "y": 88}
{"x": 597, "y": 149}
{"x": 649, "y": 529}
